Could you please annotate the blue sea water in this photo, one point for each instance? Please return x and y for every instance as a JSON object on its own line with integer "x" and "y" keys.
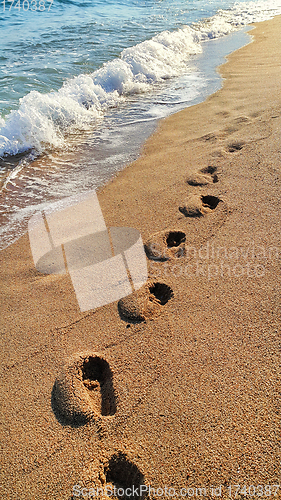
{"x": 83, "y": 83}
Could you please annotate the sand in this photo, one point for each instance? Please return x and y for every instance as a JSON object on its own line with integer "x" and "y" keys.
{"x": 188, "y": 396}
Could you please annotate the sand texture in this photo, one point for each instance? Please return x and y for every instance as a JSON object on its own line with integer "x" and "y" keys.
{"x": 177, "y": 384}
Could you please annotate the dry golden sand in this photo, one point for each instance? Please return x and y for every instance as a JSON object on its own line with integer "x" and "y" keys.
{"x": 196, "y": 385}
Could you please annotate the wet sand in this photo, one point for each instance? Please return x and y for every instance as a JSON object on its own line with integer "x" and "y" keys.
{"x": 188, "y": 396}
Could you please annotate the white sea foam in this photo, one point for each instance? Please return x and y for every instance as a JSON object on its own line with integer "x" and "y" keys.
{"x": 241, "y": 14}
{"x": 43, "y": 119}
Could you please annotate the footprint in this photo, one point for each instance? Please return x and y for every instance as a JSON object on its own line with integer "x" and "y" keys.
{"x": 124, "y": 475}
{"x": 197, "y": 205}
{"x": 256, "y": 114}
{"x": 235, "y": 146}
{"x": 115, "y": 477}
{"x": 223, "y": 114}
{"x": 84, "y": 390}
{"x": 165, "y": 245}
{"x": 145, "y": 303}
{"x": 236, "y": 125}
{"x": 242, "y": 119}
{"x": 209, "y": 137}
{"x": 203, "y": 177}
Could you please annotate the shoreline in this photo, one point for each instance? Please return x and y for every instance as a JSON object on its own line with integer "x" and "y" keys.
{"x": 86, "y": 171}
{"x": 196, "y": 382}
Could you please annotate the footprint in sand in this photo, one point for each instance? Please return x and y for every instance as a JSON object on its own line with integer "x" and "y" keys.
{"x": 203, "y": 177}
{"x": 123, "y": 474}
{"x": 199, "y": 205}
{"x": 145, "y": 303}
{"x": 211, "y": 137}
{"x": 84, "y": 390}
{"x": 166, "y": 245}
{"x": 117, "y": 477}
{"x": 235, "y": 146}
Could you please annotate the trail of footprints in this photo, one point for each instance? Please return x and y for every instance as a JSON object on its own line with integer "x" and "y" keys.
{"x": 83, "y": 391}
{"x": 147, "y": 302}
{"x": 84, "y": 388}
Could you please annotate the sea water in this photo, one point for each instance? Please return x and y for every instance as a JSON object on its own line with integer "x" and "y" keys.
{"x": 83, "y": 83}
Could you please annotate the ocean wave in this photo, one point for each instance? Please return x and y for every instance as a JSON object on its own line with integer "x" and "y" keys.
{"x": 42, "y": 120}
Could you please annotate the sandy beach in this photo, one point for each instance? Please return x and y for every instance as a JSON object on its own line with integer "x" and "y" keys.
{"x": 192, "y": 379}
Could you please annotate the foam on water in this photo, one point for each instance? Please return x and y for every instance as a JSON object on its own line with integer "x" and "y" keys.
{"x": 241, "y": 14}
{"x": 42, "y": 120}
